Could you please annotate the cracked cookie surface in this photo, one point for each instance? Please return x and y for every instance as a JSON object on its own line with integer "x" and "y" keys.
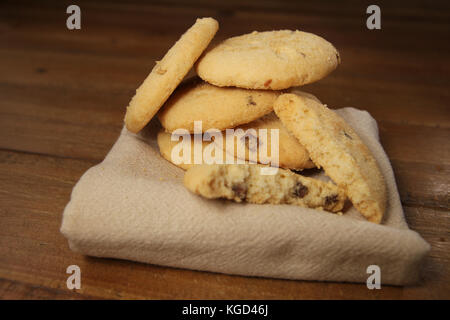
{"x": 335, "y": 146}
{"x": 244, "y": 182}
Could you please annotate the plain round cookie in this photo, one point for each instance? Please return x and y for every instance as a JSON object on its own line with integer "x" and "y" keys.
{"x": 335, "y": 146}
{"x": 268, "y": 60}
{"x": 217, "y": 108}
{"x": 168, "y": 73}
{"x": 166, "y": 146}
{"x": 291, "y": 154}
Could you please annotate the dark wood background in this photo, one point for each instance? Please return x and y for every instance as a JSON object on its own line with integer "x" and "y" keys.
{"x": 63, "y": 96}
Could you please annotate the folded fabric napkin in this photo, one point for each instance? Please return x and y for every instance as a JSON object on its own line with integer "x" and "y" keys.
{"x": 133, "y": 205}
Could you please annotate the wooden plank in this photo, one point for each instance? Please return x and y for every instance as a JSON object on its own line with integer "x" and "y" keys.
{"x": 65, "y": 123}
{"x": 63, "y": 97}
{"x": 83, "y": 124}
{"x": 386, "y": 93}
{"x": 370, "y": 64}
{"x": 34, "y": 190}
{"x": 14, "y": 290}
{"x": 433, "y": 226}
{"x": 423, "y": 184}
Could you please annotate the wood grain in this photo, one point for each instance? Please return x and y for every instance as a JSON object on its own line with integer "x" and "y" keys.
{"x": 63, "y": 95}
{"x": 37, "y": 254}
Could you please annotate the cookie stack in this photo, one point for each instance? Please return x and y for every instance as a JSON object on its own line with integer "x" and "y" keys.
{"x": 250, "y": 82}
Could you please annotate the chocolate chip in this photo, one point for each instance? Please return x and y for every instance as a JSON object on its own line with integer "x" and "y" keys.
{"x": 240, "y": 190}
{"x": 267, "y": 83}
{"x": 300, "y": 190}
{"x": 250, "y": 101}
{"x": 329, "y": 200}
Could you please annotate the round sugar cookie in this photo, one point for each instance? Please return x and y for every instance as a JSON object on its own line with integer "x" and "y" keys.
{"x": 335, "y": 146}
{"x": 168, "y": 73}
{"x": 268, "y": 60}
{"x": 291, "y": 154}
{"x": 216, "y": 108}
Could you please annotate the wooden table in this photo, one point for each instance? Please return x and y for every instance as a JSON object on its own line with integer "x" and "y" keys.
{"x": 62, "y": 100}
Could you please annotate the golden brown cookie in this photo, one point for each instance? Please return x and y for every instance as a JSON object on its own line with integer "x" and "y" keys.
{"x": 257, "y": 137}
{"x": 217, "y": 108}
{"x": 166, "y": 147}
{"x": 268, "y": 60}
{"x": 335, "y": 146}
{"x": 168, "y": 73}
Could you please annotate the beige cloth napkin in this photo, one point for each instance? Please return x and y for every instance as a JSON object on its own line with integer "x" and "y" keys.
{"x": 133, "y": 206}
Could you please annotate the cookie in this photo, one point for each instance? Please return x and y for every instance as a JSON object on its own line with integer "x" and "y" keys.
{"x": 244, "y": 182}
{"x": 335, "y": 146}
{"x": 217, "y": 108}
{"x": 166, "y": 145}
{"x": 291, "y": 154}
{"x": 168, "y": 73}
{"x": 268, "y": 60}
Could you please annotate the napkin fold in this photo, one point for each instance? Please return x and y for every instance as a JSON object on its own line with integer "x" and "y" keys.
{"x": 133, "y": 206}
